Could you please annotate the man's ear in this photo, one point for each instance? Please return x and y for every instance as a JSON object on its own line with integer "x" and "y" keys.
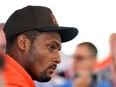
{"x": 22, "y": 42}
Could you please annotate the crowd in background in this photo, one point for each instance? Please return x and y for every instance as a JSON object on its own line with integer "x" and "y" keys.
{"x": 81, "y": 71}
{"x": 76, "y": 70}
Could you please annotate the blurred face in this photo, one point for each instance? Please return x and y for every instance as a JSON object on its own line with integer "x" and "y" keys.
{"x": 2, "y": 40}
{"x": 43, "y": 56}
{"x": 83, "y": 59}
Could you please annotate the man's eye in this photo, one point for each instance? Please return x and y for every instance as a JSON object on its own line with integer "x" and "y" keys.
{"x": 51, "y": 47}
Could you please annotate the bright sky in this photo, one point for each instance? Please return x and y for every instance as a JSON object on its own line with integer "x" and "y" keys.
{"x": 95, "y": 19}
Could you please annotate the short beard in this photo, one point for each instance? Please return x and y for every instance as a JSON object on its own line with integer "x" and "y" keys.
{"x": 44, "y": 77}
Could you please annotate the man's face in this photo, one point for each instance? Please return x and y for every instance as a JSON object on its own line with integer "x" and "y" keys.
{"x": 43, "y": 56}
{"x": 2, "y": 40}
{"x": 83, "y": 59}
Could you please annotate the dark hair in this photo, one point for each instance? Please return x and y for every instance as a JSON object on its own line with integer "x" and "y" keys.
{"x": 31, "y": 35}
{"x": 91, "y": 46}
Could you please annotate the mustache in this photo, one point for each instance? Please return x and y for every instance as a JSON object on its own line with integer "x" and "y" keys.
{"x": 54, "y": 66}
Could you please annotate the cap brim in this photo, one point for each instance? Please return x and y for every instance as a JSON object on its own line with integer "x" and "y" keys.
{"x": 67, "y": 33}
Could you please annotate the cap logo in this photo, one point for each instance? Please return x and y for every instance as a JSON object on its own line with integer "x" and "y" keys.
{"x": 53, "y": 18}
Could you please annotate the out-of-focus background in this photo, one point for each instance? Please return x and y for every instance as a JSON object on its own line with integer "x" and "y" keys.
{"x": 95, "y": 20}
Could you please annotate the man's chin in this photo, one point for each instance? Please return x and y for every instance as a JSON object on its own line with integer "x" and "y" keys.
{"x": 44, "y": 78}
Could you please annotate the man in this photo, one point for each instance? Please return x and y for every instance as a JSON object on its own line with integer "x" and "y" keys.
{"x": 84, "y": 60}
{"x": 84, "y": 57}
{"x": 2, "y": 38}
{"x": 2, "y": 48}
{"x": 33, "y": 41}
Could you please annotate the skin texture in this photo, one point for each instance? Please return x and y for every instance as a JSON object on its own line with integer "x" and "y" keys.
{"x": 39, "y": 58}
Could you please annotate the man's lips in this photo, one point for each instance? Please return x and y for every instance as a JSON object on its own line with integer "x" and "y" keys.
{"x": 53, "y": 66}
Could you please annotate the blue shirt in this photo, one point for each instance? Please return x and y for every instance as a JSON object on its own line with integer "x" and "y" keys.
{"x": 102, "y": 83}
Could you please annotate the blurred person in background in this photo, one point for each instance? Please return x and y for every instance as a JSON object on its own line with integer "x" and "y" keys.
{"x": 2, "y": 38}
{"x": 33, "y": 43}
{"x": 113, "y": 55}
{"x": 84, "y": 60}
{"x": 83, "y": 65}
{"x": 2, "y": 48}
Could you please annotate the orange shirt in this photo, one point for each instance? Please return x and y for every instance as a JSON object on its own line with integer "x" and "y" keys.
{"x": 15, "y": 75}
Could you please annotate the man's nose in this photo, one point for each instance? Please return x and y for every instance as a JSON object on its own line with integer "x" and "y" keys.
{"x": 57, "y": 58}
